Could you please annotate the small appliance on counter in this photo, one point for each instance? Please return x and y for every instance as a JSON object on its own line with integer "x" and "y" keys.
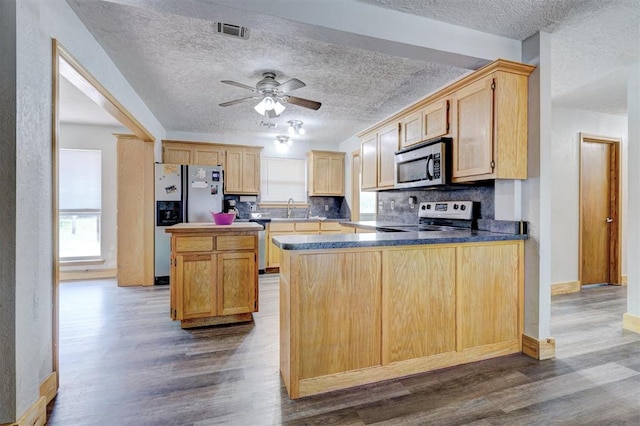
{"x": 230, "y": 207}
{"x": 183, "y": 193}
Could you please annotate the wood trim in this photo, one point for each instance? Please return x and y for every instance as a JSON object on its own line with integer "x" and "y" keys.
{"x": 355, "y": 185}
{"x": 223, "y": 319}
{"x": 631, "y": 322}
{"x": 565, "y": 287}
{"x": 36, "y": 415}
{"x": 497, "y": 65}
{"x": 71, "y": 69}
{"x": 539, "y": 349}
{"x": 49, "y": 387}
{"x": 615, "y": 254}
{"x": 169, "y": 142}
{"x": 624, "y": 280}
{"x": 88, "y": 274}
{"x": 55, "y": 237}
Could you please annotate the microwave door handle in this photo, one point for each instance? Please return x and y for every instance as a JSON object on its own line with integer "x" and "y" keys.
{"x": 429, "y": 162}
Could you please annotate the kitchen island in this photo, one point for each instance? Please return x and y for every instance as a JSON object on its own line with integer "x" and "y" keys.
{"x": 214, "y": 273}
{"x": 361, "y": 308}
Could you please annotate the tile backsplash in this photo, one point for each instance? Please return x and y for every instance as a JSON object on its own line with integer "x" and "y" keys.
{"x": 329, "y": 207}
{"x": 484, "y": 194}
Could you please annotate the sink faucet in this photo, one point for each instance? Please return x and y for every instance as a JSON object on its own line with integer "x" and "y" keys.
{"x": 290, "y": 202}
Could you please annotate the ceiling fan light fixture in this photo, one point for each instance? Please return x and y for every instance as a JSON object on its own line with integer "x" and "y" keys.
{"x": 268, "y": 104}
{"x": 278, "y": 108}
{"x": 295, "y": 127}
{"x": 282, "y": 140}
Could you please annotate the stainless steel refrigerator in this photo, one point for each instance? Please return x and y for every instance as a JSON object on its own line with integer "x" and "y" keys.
{"x": 183, "y": 193}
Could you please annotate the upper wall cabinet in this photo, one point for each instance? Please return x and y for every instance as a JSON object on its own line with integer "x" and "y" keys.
{"x": 485, "y": 113}
{"x": 430, "y": 122}
{"x": 241, "y": 164}
{"x": 242, "y": 170}
{"x": 192, "y": 153}
{"x": 325, "y": 173}
{"x": 377, "y": 151}
{"x": 490, "y": 120}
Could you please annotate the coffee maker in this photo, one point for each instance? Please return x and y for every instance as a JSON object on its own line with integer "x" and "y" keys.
{"x": 230, "y": 207}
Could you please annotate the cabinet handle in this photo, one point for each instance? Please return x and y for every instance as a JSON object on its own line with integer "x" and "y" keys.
{"x": 609, "y": 220}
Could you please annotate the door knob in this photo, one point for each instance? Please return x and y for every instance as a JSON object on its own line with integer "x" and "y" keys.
{"x": 609, "y": 220}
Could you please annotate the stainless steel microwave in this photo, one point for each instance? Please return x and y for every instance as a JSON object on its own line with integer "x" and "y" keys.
{"x": 425, "y": 164}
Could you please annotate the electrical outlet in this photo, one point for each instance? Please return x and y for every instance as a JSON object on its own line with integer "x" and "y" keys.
{"x": 326, "y": 207}
{"x": 393, "y": 205}
{"x": 252, "y": 207}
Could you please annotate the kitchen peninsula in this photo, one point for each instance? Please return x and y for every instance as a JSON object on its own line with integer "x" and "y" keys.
{"x": 214, "y": 273}
{"x": 361, "y": 308}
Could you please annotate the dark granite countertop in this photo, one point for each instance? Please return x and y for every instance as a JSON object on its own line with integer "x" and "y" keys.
{"x": 383, "y": 239}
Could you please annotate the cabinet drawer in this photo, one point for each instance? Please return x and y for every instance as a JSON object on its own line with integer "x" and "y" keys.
{"x": 330, "y": 226}
{"x": 281, "y": 227}
{"x": 194, "y": 243}
{"x": 236, "y": 242}
{"x": 307, "y": 226}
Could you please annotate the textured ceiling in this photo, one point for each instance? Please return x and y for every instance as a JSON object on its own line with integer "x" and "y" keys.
{"x": 175, "y": 61}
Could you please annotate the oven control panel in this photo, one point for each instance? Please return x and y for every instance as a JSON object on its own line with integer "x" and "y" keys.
{"x": 447, "y": 209}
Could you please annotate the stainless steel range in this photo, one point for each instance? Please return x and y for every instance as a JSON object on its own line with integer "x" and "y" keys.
{"x": 438, "y": 216}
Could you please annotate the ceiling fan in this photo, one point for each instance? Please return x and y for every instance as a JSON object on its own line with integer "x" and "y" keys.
{"x": 272, "y": 94}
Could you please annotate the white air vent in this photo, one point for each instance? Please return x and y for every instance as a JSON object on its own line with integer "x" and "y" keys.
{"x": 232, "y": 30}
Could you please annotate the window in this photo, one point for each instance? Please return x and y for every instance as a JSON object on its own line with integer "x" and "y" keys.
{"x": 368, "y": 202}
{"x": 80, "y": 174}
{"x": 281, "y": 179}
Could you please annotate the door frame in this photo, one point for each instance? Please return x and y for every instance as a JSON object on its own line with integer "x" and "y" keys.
{"x": 355, "y": 185}
{"x": 615, "y": 248}
{"x": 63, "y": 63}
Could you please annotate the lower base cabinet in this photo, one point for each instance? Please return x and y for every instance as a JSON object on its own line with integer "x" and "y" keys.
{"x": 354, "y": 316}
{"x": 214, "y": 277}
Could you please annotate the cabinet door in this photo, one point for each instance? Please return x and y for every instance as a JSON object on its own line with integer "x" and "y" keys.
{"x": 321, "y": 174}
{"x": 273, "y": 252}
{"x": 387, "y": 147}
{"x": 250, "y": 172}
{"x": 195, "y": 289}
{"x": 237, "y": 283}
{"x": 411, "y": 129}
{"x": 233, "y": 171}
{"x": 177, "y": 155}
{"x": 435, "y": 120}
{"x": 336, "y": 175}
{"x": 419, "y": 318}
{"x": 325, "y": 312}
{"x": 207, "y": 156}
{"x": 369, "y": 162}
{"x": 488, "y": 289}
{"x": 473, "y": 144}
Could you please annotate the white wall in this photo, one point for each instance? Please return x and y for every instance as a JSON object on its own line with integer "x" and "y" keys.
{"x": 100, "y": 138}
{"x": 566, "y": 127}
{"x": 26, "y": 32}
{"x": 348, "y": 146}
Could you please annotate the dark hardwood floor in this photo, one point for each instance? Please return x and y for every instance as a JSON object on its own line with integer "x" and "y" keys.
{"x": 124, "y": 362}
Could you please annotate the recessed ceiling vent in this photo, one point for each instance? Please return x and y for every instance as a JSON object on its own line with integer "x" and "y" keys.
{"x": 232, "y": 30}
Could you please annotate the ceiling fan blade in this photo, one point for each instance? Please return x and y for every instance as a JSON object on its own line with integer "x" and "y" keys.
{"x": 306, "y": 103}
{"x": 290, "y": 85}
{"x": 238, "y": 101}
{"x": 235, "y": 83}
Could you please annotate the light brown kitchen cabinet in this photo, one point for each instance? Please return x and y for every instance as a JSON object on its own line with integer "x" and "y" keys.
{"x": 377, "y": 152}
{"x": 242, "y": 170}
{"x": 430, "y": 122}
{"x": 304, "y": 227}
{"x": 485, "y": 114}
{"x": 214, "y": 273}
{"x": 177, "y": 153}
{"x": 208, "y": 156}
{"x": 325, "y": 173}
{"x": 490, "y": 120}
{"x": 435, "y": 119}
